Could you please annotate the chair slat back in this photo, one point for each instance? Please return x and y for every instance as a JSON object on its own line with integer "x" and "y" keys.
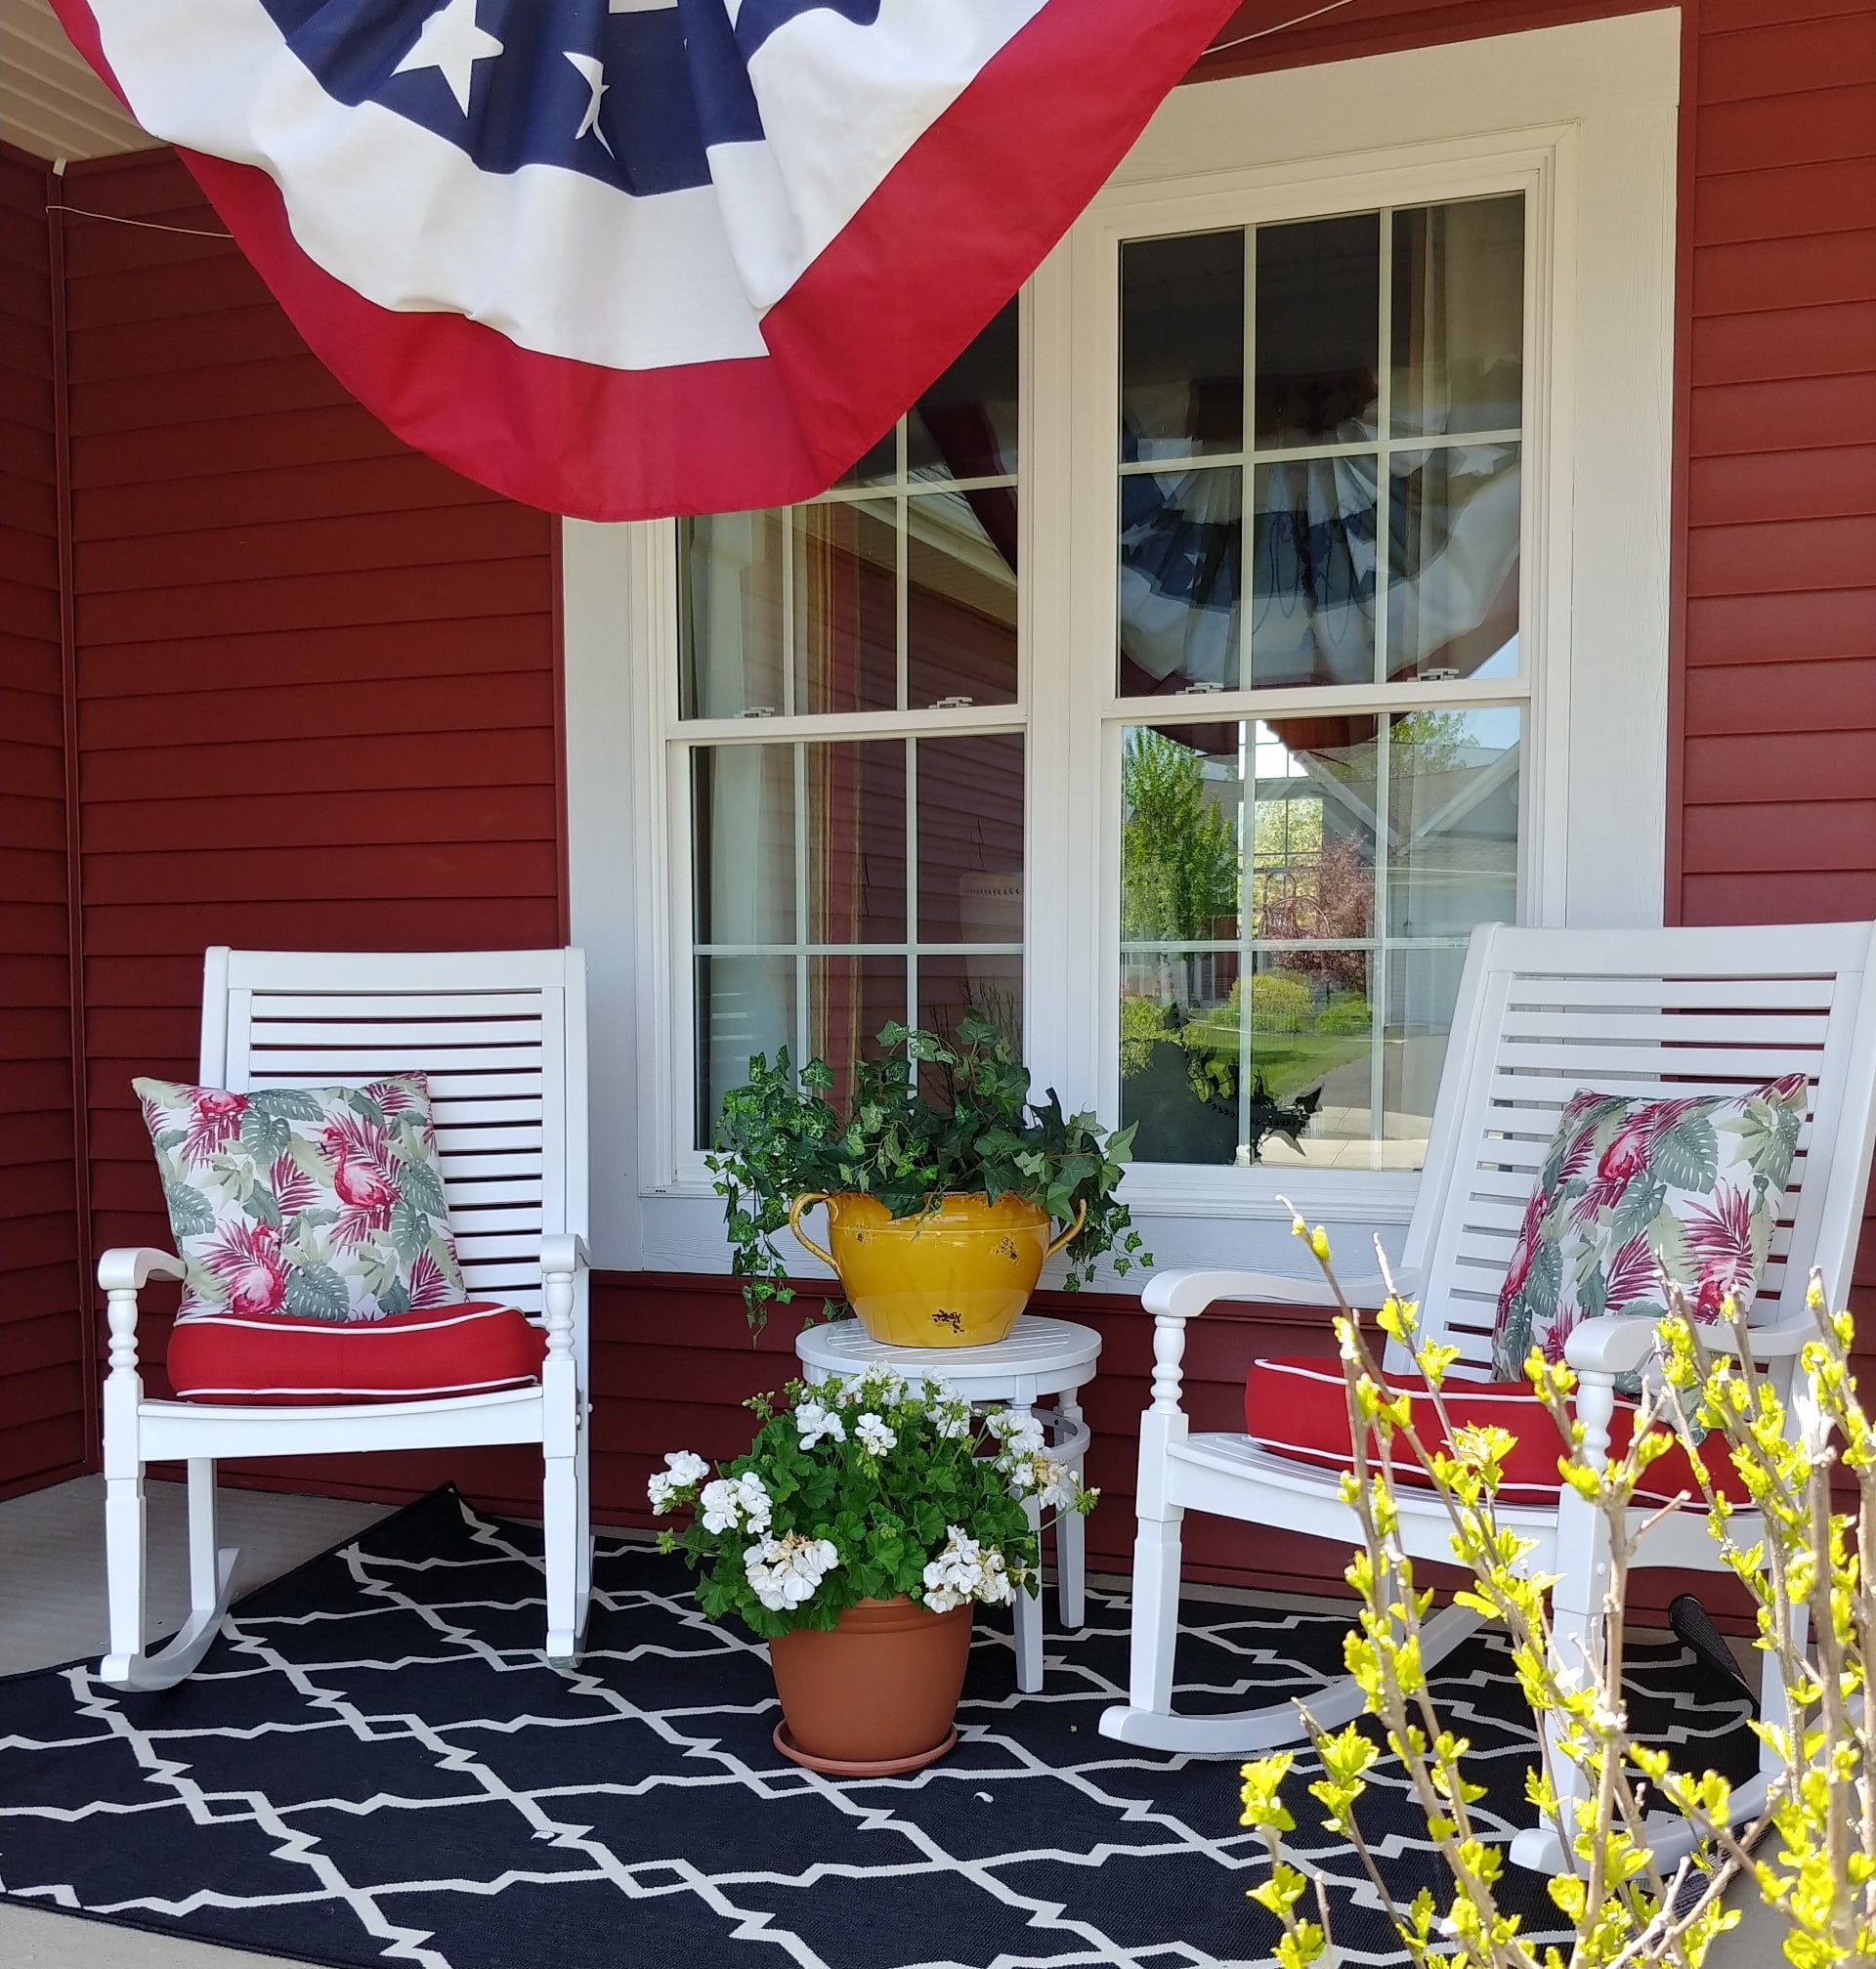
{"x": 1649, "y": 1013}
{"x": 500, "y": 1035}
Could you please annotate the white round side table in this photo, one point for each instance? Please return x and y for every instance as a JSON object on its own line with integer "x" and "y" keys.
{"x": 1039, "y": 1359}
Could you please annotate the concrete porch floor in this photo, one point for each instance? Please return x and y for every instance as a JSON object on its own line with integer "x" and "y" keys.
{"x": 52, "y": 1610}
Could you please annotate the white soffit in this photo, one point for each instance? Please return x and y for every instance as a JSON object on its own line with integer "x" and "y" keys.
{"x": 51, "y": 103}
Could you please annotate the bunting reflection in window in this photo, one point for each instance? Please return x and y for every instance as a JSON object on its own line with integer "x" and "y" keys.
{"x": 1370, "y": 397}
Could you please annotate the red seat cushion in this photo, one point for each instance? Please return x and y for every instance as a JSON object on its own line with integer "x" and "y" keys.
{"x": 1297, "y": 1407}
{"x": 471, "y": 1348}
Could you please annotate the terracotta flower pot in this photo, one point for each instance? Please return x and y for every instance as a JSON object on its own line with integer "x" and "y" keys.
{"x": 955, "y": 1276}
{"x": 878, "y": 1692}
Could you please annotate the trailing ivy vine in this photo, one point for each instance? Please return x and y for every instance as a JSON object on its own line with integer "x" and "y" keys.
{"x": 929, "y": 1116}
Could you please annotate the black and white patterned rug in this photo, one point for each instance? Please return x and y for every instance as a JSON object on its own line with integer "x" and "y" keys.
{"x": 375, "y": 1766}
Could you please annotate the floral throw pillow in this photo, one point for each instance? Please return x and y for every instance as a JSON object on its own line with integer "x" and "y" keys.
{"x": 1689, "y": 1185}
{"x": 323, "y": 1202}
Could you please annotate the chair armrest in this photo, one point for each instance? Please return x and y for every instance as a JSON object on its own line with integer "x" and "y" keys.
{"x": 1609, "y": 1345}
{"x": 1618, "y": 1345}
{"x": 127, "y": 1267}
{"x": 1780, "y": 1341}
{"x": 1184, "y": 1295}
{"x": 563, "y": 1255}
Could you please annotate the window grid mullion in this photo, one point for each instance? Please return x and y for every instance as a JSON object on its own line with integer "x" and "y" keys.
{"x": 1247, "y": 673}
{"x": 912, "y": 926}
{"x": 902, "y": 521}
{"x": 787, "y": 612}
{"x": 1304, "y": 454}
{"x": 804, "y": 863}
{"x": 1383, "y": 799}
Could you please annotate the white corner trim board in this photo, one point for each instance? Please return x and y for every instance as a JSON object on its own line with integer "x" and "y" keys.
{"x": 1583, "y": 120}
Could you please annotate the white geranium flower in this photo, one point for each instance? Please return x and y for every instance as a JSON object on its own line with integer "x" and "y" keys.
{"x": 785, "y": 1572}
{"x": 875, "y": 1435}
{"x": 1060, "y": 1488}
{"x": 882, "y": 1384}
{"x": 682, "y": 1469}
{"x": 721, "y": 1505}
{"x": 966, "y": 1570}
{"x": 1052, "y": 1484}
{"x": 814, "y": 1422}
{"x": 1020, "y": 1434}
{"x": 952, "y": 1418}
{"x": 997, "y": 1588}
{"x": 735, "y": 1501}
{"x": 758, "y": 1505}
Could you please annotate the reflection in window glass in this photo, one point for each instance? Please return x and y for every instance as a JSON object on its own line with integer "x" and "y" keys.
{"x": 1181, "y": 346}
{"x": 841, "y": 883}
{"x": 1453, "y": 807}
{"x": 960, "y": 596}
{"x": 744, "y": 1006}
{"x": 1181, "y": 566}
{"x": 965, "y": 426}
{"x": 895, "y": 590}
{"x": 846, "y": 608}
{"x": 1453, "y": 575}
{"x": 807, "y": 930}
{"x": 1318, "y": 332}
{"x": 1383, "y": 540}
{"x": 1295, "y": 900}
{"x": 1459, "y": 317}
{"x": 1312, "y": 577}
{"x": 732, "y": 644}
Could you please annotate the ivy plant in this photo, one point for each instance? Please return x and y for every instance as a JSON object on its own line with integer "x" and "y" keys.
{"x": 929, "y": 1116}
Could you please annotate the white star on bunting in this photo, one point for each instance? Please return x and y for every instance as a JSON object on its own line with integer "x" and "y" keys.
{"x": 592, "y": 71}
{"x": 451, "y": 43}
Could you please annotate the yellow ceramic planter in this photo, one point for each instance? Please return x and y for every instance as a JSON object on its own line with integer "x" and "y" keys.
{"x": 955, "y": 1276}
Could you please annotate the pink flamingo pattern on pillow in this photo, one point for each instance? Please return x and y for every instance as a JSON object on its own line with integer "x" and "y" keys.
{"x": 318, "y": 1203}
{"x": 1689, "y": 1186}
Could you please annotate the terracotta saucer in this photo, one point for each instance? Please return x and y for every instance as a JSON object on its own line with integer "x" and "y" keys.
{"x": 844, "y": 1767}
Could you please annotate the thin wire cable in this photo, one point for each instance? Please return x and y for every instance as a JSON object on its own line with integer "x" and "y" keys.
{"x": 144, "y": 225}
{"x": 1281, "y": 26}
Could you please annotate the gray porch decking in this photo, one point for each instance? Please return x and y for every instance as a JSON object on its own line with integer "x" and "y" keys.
{"x": 52, "y": 1610}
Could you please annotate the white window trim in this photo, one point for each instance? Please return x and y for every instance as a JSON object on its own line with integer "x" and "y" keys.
{"x": 1583, "y": 119}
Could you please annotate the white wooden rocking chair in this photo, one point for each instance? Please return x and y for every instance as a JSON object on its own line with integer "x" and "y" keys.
{"x": 1540, "y": 1014}
{"x": 502, "y": 1037}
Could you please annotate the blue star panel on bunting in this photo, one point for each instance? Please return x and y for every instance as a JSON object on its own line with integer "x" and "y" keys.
{"x": 630, "y": 94}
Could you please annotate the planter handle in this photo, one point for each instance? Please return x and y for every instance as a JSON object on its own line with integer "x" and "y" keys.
{"x": 1067, "y": 1237}
{"x": 806, "y": 1201}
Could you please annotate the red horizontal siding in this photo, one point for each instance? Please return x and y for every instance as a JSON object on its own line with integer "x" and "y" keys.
{"x": 44, "y": 1396}
{"x": 1776, "y": 728}
{"x": 316, "y": 697}
{"x": 1778, "y": 746}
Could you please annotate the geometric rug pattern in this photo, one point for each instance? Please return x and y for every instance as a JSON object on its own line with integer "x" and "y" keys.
{"x": 374, "y": 1765}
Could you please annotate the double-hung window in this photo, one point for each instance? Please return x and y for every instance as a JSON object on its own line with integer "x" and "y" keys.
{"x": 1319, "y": 691}
{"x": 848, "y": 740}
{"x": 1265, "y": 598}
